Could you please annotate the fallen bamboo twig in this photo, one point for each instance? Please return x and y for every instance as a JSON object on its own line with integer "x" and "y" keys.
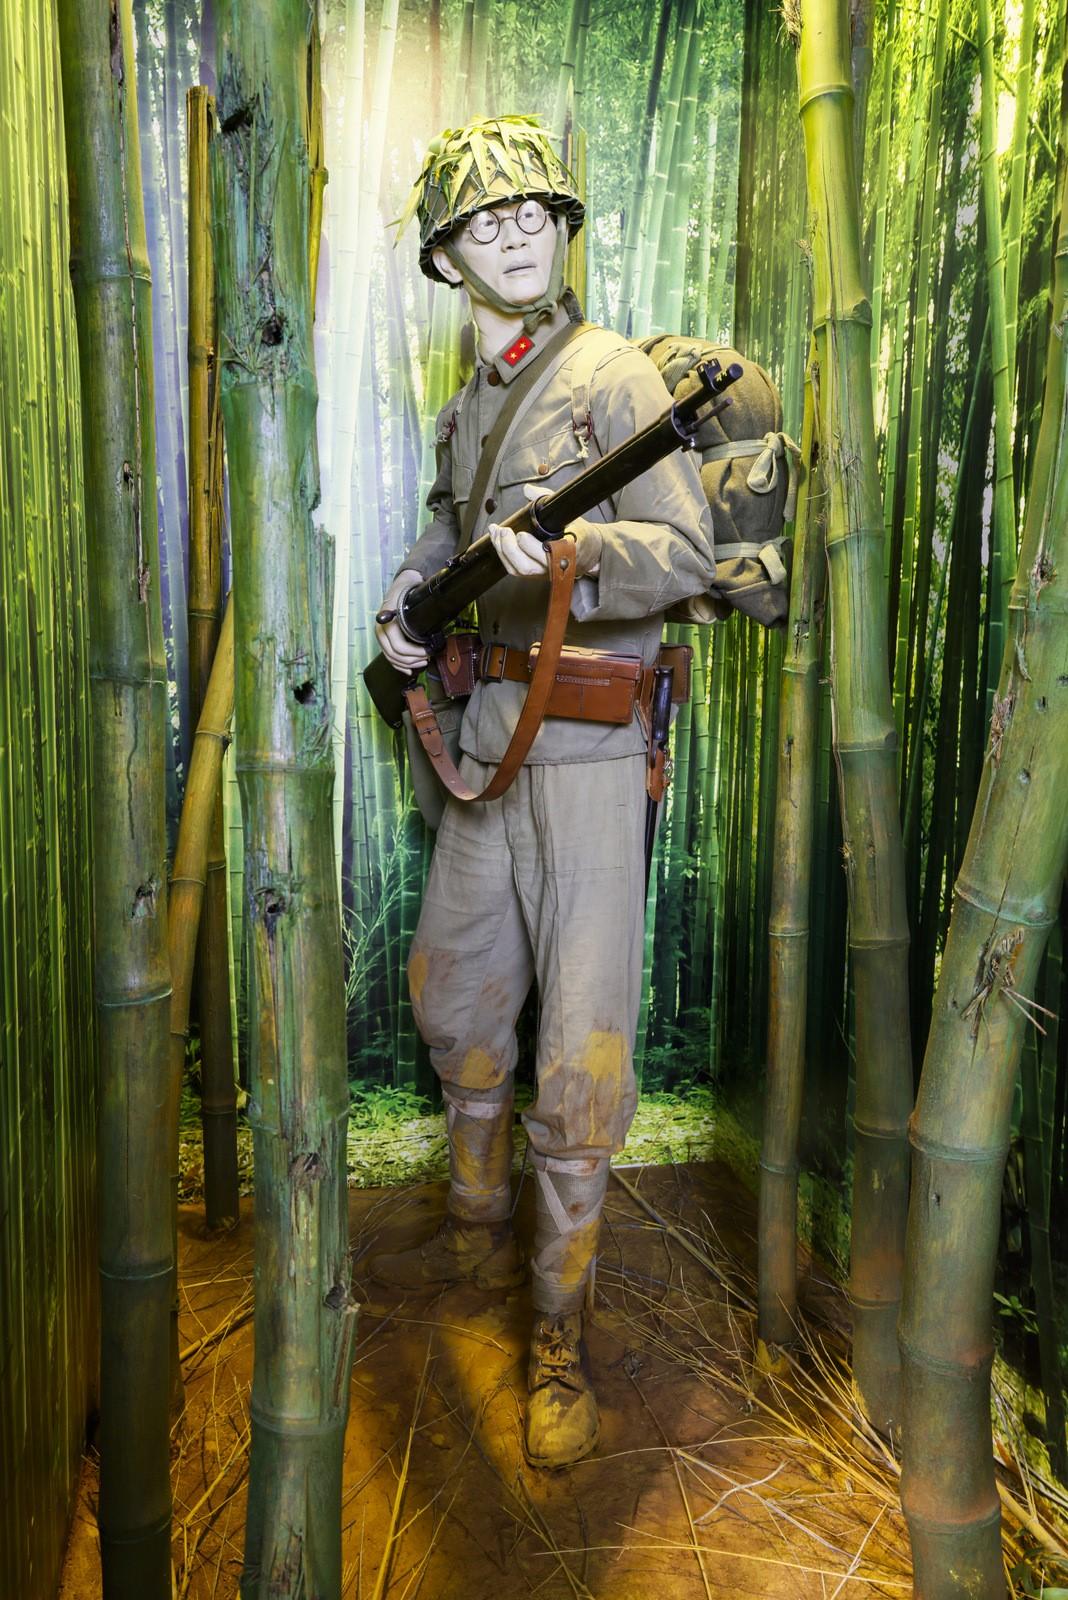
{"x": 684, "y": 1243}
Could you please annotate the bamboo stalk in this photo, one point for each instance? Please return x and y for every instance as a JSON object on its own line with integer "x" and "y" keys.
{"x": 218, "y": 1097}
{"x": 187, "y": 894}
{"x": 643, "y": 139}
{"x": 671, "y": 259}
{"x": 299, "y": 1096}
{"x": 1003, "y": 522}
{"x": 362, "y": 224}
{"x": 1017, "y": 178}
{"x": 48, "y": 1106}
{"x": 1006, "y": 899}
{"x": 863, "y": 721}
{"x": 918, "y": 419}
{"x": 660, "y": 182}
{"x": 112, "y": 290}
{"x": 788, "y": 933}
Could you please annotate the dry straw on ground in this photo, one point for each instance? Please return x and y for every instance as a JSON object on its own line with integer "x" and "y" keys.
{"x": 713, "y": 1476}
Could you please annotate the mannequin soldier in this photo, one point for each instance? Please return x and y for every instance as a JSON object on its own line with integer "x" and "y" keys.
{"x": 546, "y": 882}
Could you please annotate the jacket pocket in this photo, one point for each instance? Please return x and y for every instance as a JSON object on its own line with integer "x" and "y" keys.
{"x": 552, "y": 461}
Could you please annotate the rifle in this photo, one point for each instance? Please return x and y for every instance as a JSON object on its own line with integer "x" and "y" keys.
{"x": 427, "y": 608}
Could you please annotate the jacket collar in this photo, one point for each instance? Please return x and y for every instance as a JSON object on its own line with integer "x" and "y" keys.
{"x": 521, "y": 352}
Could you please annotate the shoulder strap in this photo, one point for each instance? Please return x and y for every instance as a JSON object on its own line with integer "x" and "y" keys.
{"x": 522, "y": 391}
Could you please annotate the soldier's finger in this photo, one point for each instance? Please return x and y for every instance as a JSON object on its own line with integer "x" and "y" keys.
{"x": 405, "y": 655}
{"x": 533, "y": 548}
{"x": 403, "y": 660}
{"x": 504, "y": 542}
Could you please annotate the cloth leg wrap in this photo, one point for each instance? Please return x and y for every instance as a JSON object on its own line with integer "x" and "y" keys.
{"x": 570, "y": 1199}
{"x": 480, "y": 1152}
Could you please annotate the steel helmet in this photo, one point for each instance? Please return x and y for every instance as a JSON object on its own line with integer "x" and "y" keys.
{"x": 489, "y": 161}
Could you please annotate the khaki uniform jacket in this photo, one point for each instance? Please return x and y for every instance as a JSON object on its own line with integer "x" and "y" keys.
{"x": 656, "y": 537}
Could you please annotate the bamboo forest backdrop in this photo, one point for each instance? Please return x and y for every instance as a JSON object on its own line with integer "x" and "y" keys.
{"x": 680, "y": 121}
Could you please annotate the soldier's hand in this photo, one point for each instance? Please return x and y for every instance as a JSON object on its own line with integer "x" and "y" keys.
{"x": 524, "y": 555}
{"x": 393, "y": 642}
{"x": 521, "y": 554}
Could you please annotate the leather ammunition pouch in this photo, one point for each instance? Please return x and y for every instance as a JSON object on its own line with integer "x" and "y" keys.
{"x": 588, "y": 686}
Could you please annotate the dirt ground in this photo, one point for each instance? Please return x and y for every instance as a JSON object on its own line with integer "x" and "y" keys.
{"x": 708, "y": 1480}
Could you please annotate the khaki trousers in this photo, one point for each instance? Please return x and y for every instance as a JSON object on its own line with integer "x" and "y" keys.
{"x": 545, "y": 883}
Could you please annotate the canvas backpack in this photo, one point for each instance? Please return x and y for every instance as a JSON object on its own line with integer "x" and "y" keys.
{"x": 749, "y": 471}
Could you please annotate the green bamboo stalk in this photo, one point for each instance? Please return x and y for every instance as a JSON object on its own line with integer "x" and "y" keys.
{"x": 1036, "y": 1187}
{"x": 712, "y": 848}
{"x": 788, "y": 931}
{"x": 903, "y": 254}
{"x": 1046, "y": 1304}
{"x": 862, "y": 58}
{"x": 702, "y": 787}
{"x": 218, "y": 1108}
{"x": 704, "y": 242}
{"x": 663, "y": 175}
{"x": 48, "y": 1324}
{"x": 481, "y": 99}
{"x": 1006, "y": 900}
{"x": 168, "y": 343}
{"x": 578, "y": 19}
{"x": 112, "y": 290}
{"x": 912, "y": 529}
{"x": 916, "y": 770}
{"x": 864, "y": 735}
{"x": 299, "y": 1096}
{"x": 671, "y": 260}
{"x": 881, "y": 190}
{"x": 1003, "y": 521}
{"x": 643, "y": 138}
{"x": 1017, "y": 179}
{"x": 360, "y": 230}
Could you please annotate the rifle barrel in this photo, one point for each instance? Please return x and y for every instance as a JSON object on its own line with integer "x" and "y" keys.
{"x": 428, "y": 607}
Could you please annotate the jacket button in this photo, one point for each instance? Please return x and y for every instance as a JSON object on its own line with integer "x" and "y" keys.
{"x": 543, "y": 467}
{"x": 493, "y": 377}
{"x": 491, "y": 505}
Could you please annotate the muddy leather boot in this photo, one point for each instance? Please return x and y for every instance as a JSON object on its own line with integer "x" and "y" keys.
{"x": 562, "y": 1419}
{"x": 486, "y": 1253}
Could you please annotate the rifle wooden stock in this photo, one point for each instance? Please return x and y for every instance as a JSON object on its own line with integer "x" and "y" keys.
{"x": 427, "y": 608}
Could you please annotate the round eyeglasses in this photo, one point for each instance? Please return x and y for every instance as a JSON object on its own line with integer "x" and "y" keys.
{"x": 529, "y": 217}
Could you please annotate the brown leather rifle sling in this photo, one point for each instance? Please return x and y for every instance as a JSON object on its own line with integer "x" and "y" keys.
{"x": 562, "y": 557}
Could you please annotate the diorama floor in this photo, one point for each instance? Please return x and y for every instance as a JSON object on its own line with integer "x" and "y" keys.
{"x": 709, "y": 1478}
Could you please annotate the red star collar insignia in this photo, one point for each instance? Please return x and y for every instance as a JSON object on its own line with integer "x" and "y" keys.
{"x": 515, "y": 353}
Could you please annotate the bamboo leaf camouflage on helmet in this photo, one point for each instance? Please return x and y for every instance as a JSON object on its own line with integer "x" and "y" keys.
{"x": 489, "y": 161}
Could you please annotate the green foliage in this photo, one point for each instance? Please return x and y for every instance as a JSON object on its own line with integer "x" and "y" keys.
{"x": 1011, "y": 1306}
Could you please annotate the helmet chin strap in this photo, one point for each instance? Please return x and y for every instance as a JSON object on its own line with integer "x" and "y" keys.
{"x": 533, "y": 311}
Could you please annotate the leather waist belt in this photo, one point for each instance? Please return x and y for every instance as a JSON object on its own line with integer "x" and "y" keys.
{"x": 588, "y": 685}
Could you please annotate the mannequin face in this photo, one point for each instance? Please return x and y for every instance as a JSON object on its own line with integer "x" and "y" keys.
{"x": 516, "y": 265}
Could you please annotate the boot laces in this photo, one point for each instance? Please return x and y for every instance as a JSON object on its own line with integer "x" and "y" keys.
{"x": 557, "y": 1351}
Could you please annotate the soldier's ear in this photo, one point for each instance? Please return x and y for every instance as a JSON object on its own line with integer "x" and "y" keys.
{"x": 447, "y": 268}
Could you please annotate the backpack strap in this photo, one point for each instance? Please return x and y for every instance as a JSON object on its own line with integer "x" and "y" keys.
{"x": 583, "y": 367}
{"x": 763, "y": 476}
